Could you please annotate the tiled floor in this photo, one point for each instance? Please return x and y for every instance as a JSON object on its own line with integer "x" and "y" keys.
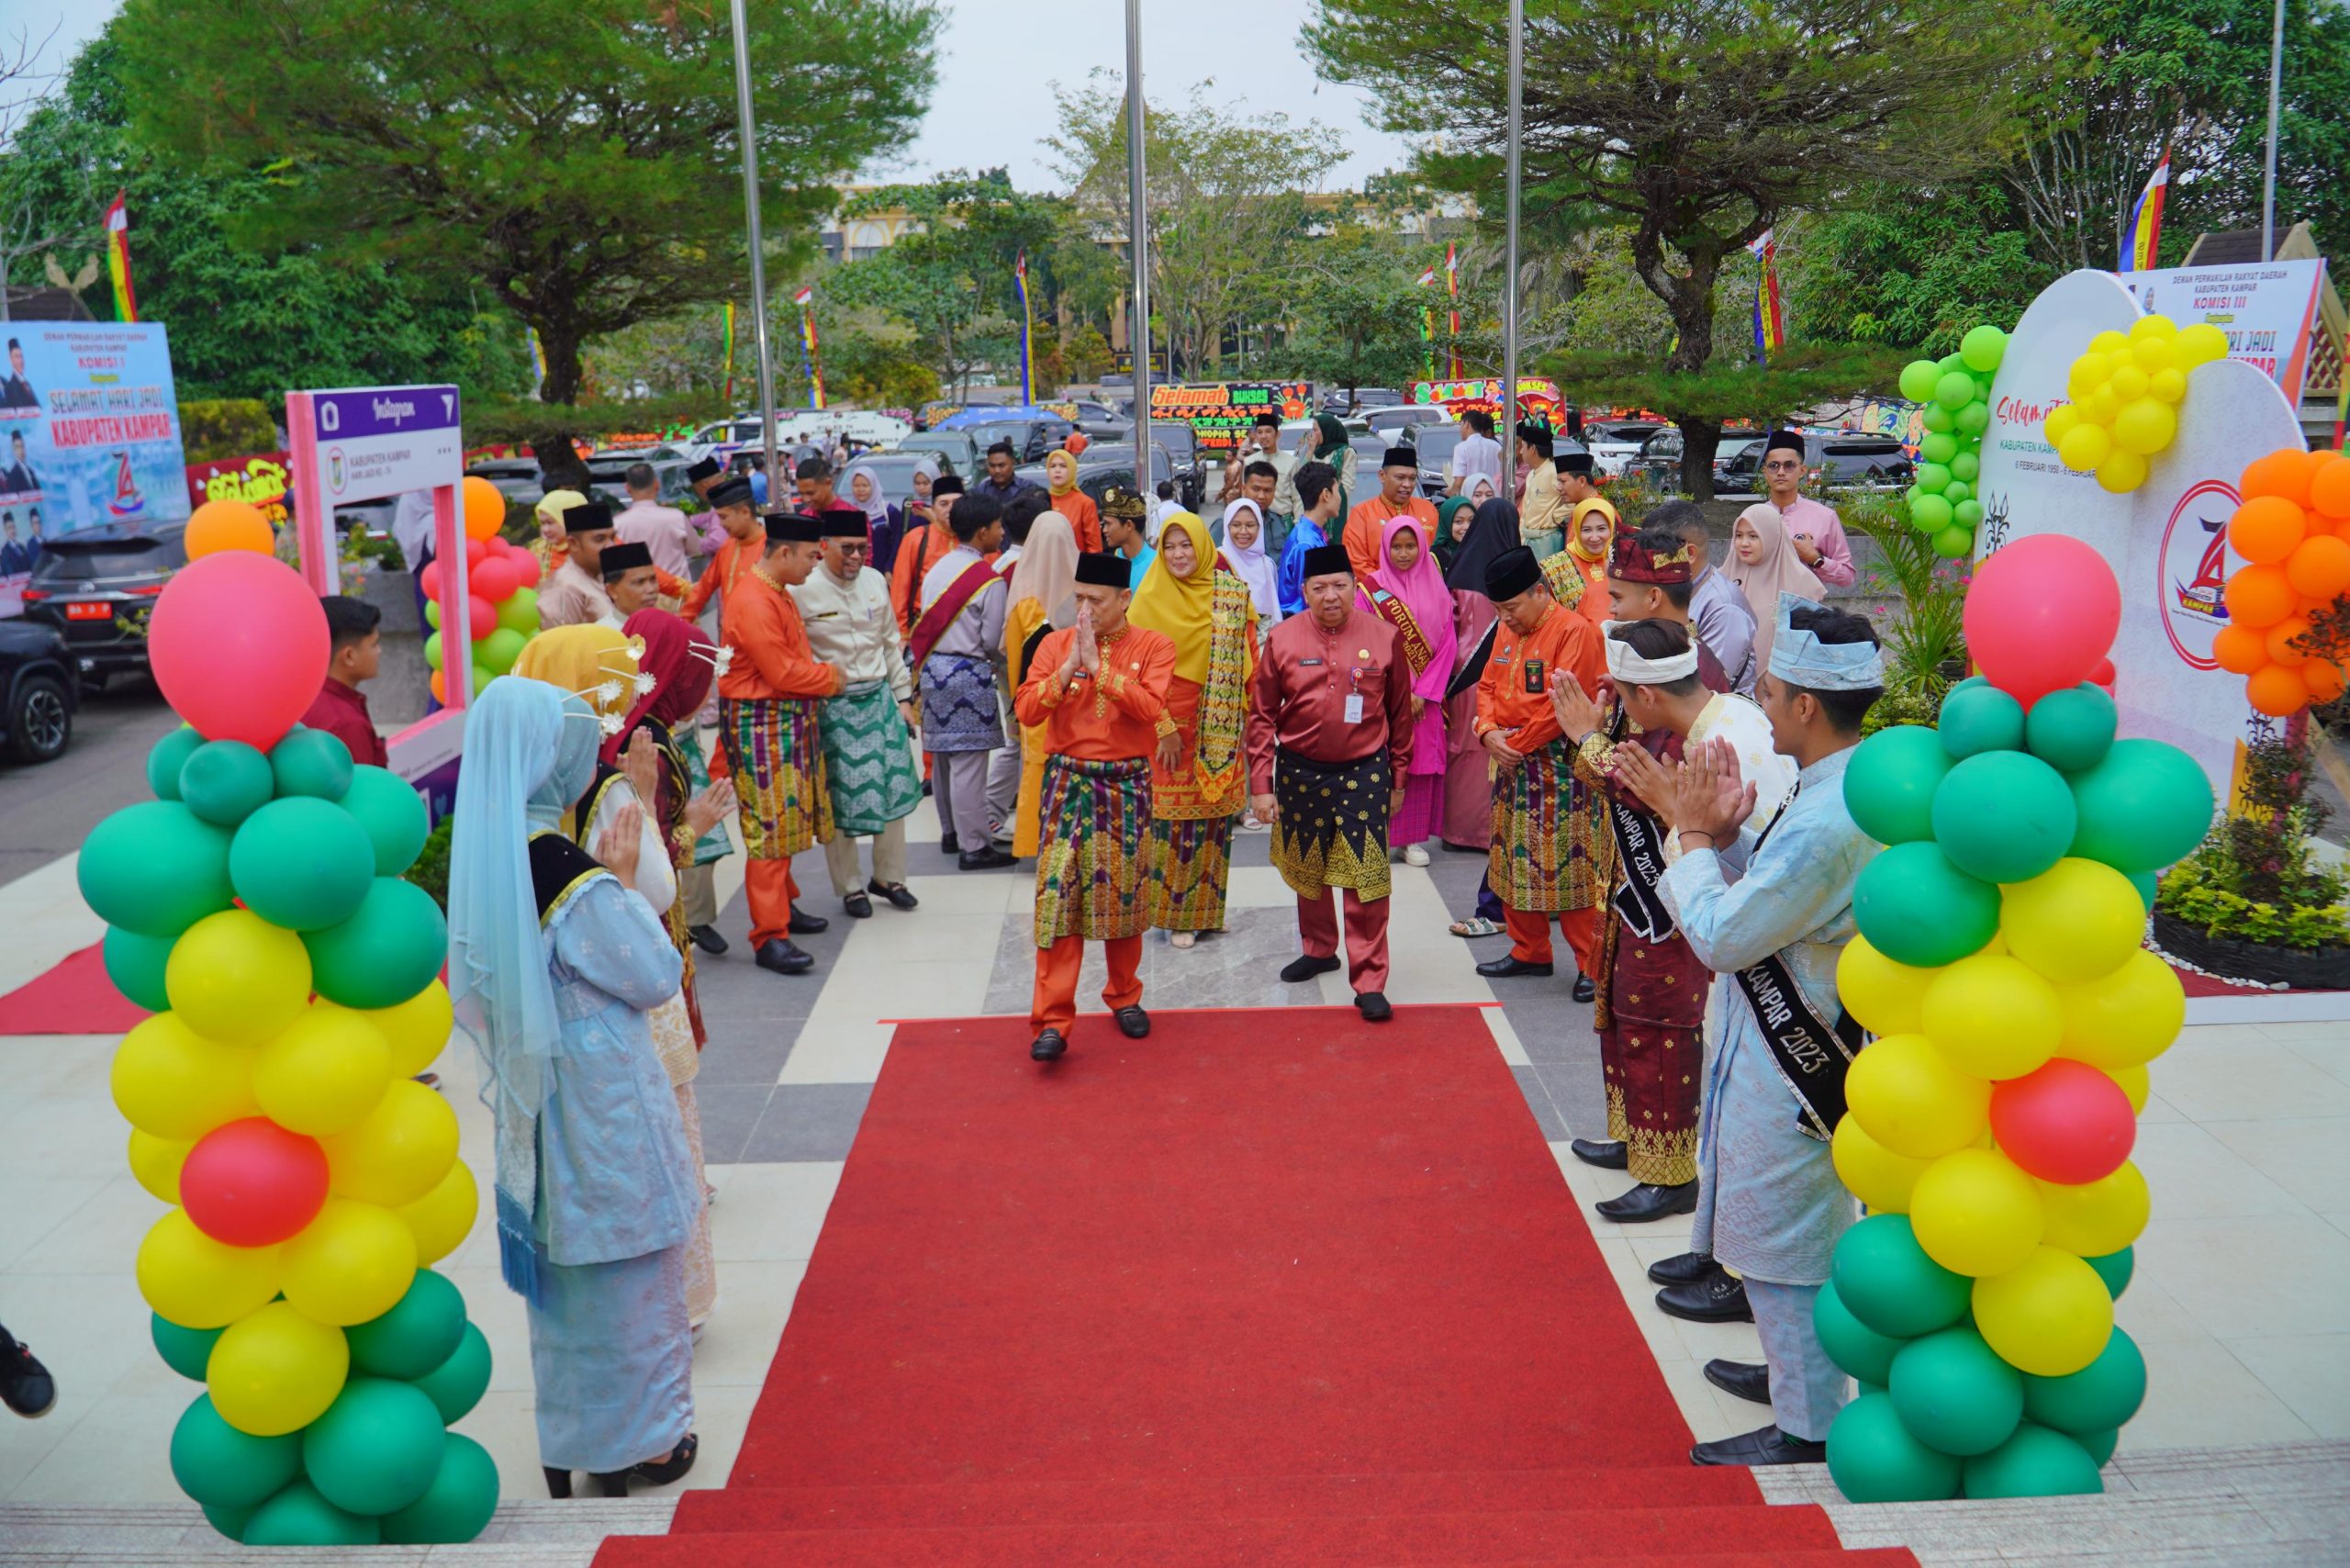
{"x": 2242, "y": 1300}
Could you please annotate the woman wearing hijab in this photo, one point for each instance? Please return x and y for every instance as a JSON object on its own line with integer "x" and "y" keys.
{"x": 1331, "y": 446}
{"x": 884, "y": 524}
{"x": 553, "y": 964}
{"x": 1452, "y": 518}
{"x": 1060, "y": 483}
{"x": 1590, "y": 535}
{"x": 1244, "y": 556}
{"x": 1199, "y": 778}
{"x": 1409, "y": 594}
{"x": 1763, "y": 565}
{"x": 1044, "y": 598}
{"x": 1468, "y": 819}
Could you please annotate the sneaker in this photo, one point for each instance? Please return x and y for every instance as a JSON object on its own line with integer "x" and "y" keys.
{"x": 1415, "y": 855}
{"x": 25, "y": 1386}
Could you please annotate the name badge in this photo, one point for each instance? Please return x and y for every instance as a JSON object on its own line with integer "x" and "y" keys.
{"x": 1309, "y": 663}
{"x": 1354, "y": 708}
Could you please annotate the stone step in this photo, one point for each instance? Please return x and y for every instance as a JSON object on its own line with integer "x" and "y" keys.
{"x": 526, "y": 1533}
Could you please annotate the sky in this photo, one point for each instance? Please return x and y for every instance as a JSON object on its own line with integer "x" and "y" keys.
{"x": 997, "y": 59}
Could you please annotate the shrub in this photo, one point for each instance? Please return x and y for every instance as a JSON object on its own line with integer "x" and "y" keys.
{"x": 214, "y": 428}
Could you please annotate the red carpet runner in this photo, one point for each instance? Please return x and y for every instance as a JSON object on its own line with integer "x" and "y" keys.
{"x": 1272, "y": 1287}
{"x": 73, "y": 998}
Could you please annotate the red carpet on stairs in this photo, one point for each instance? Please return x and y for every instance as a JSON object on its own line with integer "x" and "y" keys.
{"x": 1270, "y": 1287}
{"x": 74, "y": 998}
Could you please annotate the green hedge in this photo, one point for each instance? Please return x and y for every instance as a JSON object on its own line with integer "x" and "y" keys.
{"x": 215, "y": 429}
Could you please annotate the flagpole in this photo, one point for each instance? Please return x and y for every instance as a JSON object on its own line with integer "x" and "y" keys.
{"x": 1509, "y": 280}
{"x": 1137, "y": 244}
{"x": 750, "y": 134}
{"x": 2276, "y": 93}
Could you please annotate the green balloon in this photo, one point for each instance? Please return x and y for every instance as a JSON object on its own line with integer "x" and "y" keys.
{"x": 299, "y": 1516}
{"x": 2071, "y": 730}
{"x": 1955, "y": 390}
{"x": 186, "y": 1351}
{"x": 1933, "y": 479}
{"x": 432, "y": 654}
{"x": 311, "y": 762}
{"x": 1952, "y": 363}
{"x": 1955, "y": 1394}
{"x": 1966, "y": 466}
{"x": 1885, "y": 1279}
{"x": 391, "y": 813}
{"x": 376, "y": 1448}
{"x": 386, "y": 952}
{"x": 1873, "y": 1459}
{"x": 432, "y": 613}
{"x": 2144, "y": 807}
{"x": 1980, "y": 718}
{"x": 2099, "y": 1446}
{"x": 1889, "y": 785}
{"x": 422, "y": 1329}
{"x": 497, "y": 652}
{"x": 1983, "y": 347}
{"x": 1930, "y": 514}
{"x": 2106, "y": 1392}
{"x": 1851, "y": 1343}
{"x": 217, "y": 1464}
{"x": 1916, "y": 908}
{"x": 1956, "y": 542}
{"x": 302, "y": 863}
{"x": 1919, "y": 379}
{"x": 2003, "y": 816}
{"x": 1939, "y": 419}
{"x": 2035, "y": 1463}
{"x": 1974, "y": 418}
{"x": 1967, "y": 513}
{"x": 165, "y": 759}
{"x": 519, "y": 613}
{"x": 456, "y": 1385}
{"x": 1938, "y": 448}
{"x": 1958, "y": 491}
{"x": 155, "y": 869}
{"x": 2116, "y": 1268}
{"x": 134, "y": 964}
{"x": 225, "y": 781}
{"x": 231, "y": 1522}
{"x": 2145, "y": 882}
{"x": 458, "y": 1505}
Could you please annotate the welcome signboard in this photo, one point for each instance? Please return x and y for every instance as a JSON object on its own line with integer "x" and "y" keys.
{"x": 1220, "y": 413}
{"x": 2266, "y": 309}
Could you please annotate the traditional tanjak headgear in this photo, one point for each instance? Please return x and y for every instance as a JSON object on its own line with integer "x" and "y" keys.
{"x": 1124, "y": 505}
{"x": 1400, "y": 457}
{"x": 735, "y": 492}
{"x": 1626, "y": 665}
{"x": 618, "y": 560}
{"x": 1577, "y": 463}
{"x": 1328, "y": 560}
{"x": 1633, "y": 562}
{"x": 706, "y": 468}
{"x": 790, "y": 528}
{"x": 1512, "y": 573}
{"x": 1783, "y": 441}
{"x": 1104, "y": 568}
{"x": 1800, "y": 658}
{"x": 838, "y": 523}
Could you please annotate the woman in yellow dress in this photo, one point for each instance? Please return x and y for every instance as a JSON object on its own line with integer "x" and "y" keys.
{"x": 1043, "y": 598}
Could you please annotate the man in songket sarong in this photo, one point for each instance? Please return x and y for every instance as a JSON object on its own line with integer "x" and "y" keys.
{"x": 1329, "y": 743}
{"x": 1097, "y": 689}
{"x": 956, "y": 646}
{"x": 869, "y": 749}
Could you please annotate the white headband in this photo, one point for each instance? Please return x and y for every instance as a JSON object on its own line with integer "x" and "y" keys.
{"x": 1625, "y": 664}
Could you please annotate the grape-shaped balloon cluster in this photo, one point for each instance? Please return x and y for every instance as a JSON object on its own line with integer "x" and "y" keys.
{"x": 1957, "y": 391}
{"x": 2125, "y": 392}
{"x": 2293, "y": 532}
{"x": 501, "y": 593}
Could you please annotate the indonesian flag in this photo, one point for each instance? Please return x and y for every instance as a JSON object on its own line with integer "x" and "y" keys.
{"x": 804, "y": 295}
{"x": 1426, "y": 278}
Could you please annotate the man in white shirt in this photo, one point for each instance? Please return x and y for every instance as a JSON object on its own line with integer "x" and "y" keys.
{"x": 1477, "y": 452}
{"x": 663, "y": 530}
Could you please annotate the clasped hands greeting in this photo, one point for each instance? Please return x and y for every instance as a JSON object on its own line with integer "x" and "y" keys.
{"x": 1702, "y": 795}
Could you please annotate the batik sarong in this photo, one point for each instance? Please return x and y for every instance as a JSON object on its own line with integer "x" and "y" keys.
{"x": 959, "y": 703}
{"x": 778, "y": 756}
{"x": 1090, "y": 859}
{"x": 713, "y": 845}
{"x": 868, "y": 759}
{"x": 1332, "y": 827}
{"x": 1191, "y": 867}
{"x": 1547, "y": 825}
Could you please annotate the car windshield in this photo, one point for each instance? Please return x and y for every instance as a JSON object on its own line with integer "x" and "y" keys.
{"x": 1436, "y": 443}
{"x": 895, "y": 470}
{"x": 1178, "y": 437}
{"x": 73, "y": 561}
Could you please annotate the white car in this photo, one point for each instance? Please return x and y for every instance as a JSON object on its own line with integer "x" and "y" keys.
{"x": 1613, "y": 445}
{"x": 793, "y": 426}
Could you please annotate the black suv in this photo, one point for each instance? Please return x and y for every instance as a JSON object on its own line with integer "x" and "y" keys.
{"x": 41, "y": 691}
{"x": 97, "y": 586}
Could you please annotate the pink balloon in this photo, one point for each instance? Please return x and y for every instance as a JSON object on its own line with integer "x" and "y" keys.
{"x": 526, "y": 569}
{"x": 2067, "y": 1122}
{"x": 485, "y": 616}
{"x": 239, "y": 645}
{"x": 429, "y": 579}
{"x": 496, "y": 579}
{"x": 2041, "y": 614}
{"x": 475, "y": 552}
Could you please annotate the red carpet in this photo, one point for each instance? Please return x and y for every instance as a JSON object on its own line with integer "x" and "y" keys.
{"x": 74, "y": 998}
{"x": 1272, "y": 1287}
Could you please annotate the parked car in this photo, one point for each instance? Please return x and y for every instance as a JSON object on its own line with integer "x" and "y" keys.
{"x": 609, "y": 471}
{"x": 42, "y": 688}
{"x": 1194, "y": 467}
{"x": 517, "y": 478}
{"x": 956, "y": 451}
{"x": 1658, "y": 460}
{"x": 1030, "y": 438}
{"x": 1616, "y": 442}
{"x": 1338, "y": 401}
{"x": 1100, "y": 421}
{"x": 1842, "y": 458}
{"x": 1405, "y": 417}
{"x": 96, "y": 588}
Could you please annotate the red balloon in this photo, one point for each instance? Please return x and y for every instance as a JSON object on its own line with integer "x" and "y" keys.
{"x": 2040, "y": 615}
{"x": 239, "y": 645}
{"x": 485, "y": 616}
{"x": 476, "y": 552}
{"x": 2068, "y": 1123}
{"x": 253, "y": 1183}
{"x": 526, "y": 568}
{"x": 496, "y": 579}
{"x": 429, "y": 579}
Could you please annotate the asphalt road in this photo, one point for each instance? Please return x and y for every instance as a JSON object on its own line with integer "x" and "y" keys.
{"x": 45, "y": 812}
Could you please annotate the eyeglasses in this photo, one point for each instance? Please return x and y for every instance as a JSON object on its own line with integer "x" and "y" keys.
{"x": 1789, "y": 466}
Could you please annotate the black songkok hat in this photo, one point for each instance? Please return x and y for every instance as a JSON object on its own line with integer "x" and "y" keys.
{"x": 617, "y": 560}
{"x": 792, "y": 527}
{"x": 1537, "y": 436}
{"x": 945, "y": 485}
{"x": 1400, "y": 457}
{"x": 1104, "y": 568}
{"x": 842, "y": 522}
{"x": 1790, "y": 441}
{"x": 707, "y": 468}
{"x": 1575, "y": 463}
{"x": 1327, "y": 560}
{"x": 587, "y": 517}
{"x": 1512, "y": 573}
{"x": 735, "y": 492}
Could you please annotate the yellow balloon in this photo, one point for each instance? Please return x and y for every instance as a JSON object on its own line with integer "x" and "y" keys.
{"x": 2096, "y": 1218}
{"x": 2145, "y": 426}
{"x": 1993, "y": 1016}
{"x": 2120, "y": 473}
{"x": 2100, "y": 407}
{"x": 1910, "y": 1099}
{"x": 197, "y": 1283}
{"x": 2110, "y": 342}
{"x": 323, "y": 1072}
{"x": 2136, "y": 1082}
{"x": 172, "y": 1082}
{"x": 156, "y": 1162}
{"x": 276, "y": 1371}
{"x": 398, "y": 1152}
{"x": 2050, "y": 1316}
{"x": 2156, "y": 353}
{"x": 2170, "y": 384}
{"x": 354, "y": 1262}
{"x": 2129, "y": 383}
{"x": 2146, "y": 327}
{"x": 1884, "y": 996}
{"x": 1876, "y": 1175}
{"x": 2126, "y": 1017}
{"x": 2086, "y": 375}
{"x": 2201, "y": 344}
{"x": 236, "y": 976}
{"x": 1974, "y": 1213}
{"x": 416, "y": 1030}
{"x": 443, "y": 1217}
{"x": 2076, "y": 921}
{"x": 2085, "y": 444}
{"x": 2061, "y": 418}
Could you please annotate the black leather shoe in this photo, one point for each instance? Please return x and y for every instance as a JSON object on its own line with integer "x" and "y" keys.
{"x": 1746, "y": 1379}
{"x": 802, "y": 924}
{"x": 1765, "y": 1445}
{"x": 948, "y": 845}
{"x": 1607, "y": 1155}
{"x": 1510, "y": 966}
{"x": 1720, "y": 1297}
{"x": 1650, "y": 1201}
{"x": 1048, "y": 1046}
{"x": 1685, "y": 1269}
{"x": 780, "y": 956}
{"x": 1584, "y": 989}
{"x": 1306, "y": 968}
{"x": 859, "y": 906}
{"x": 707, "y": 938}
{"x": 899, "y": 895}
{"x": 25, "y": 1386}
{"x": 1372, "y": 1005}
{"x": 1133, "y": 1023}
{"x": 987, "y": 859}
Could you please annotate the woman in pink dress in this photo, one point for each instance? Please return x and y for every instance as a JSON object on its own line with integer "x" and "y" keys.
{"x": 1408, "y": 593}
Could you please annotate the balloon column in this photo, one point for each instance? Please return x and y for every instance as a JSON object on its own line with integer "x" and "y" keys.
{"x": 1956, "y": 392}
{"x": 501, "y": 592}
{"x": 2293, "y": 531}
{"x": 256, "y": 907}
{"x": 2126, "y": 390}
{"x": 1990, "y": 1122}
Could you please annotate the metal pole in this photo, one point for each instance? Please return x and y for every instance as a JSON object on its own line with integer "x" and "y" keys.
{"x": 2268, "y": 180}
{"x": 777, "y": 485}
{"x": 1509, "y": 277}
{"x": 1138, "y": 250}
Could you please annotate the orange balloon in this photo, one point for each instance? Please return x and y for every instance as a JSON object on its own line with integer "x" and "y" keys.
{"x": 2260, "y": 597}
{"x": 2266, "y": 528}
{"x": 229, "y": 525}
{"x": 2240, "y": 650}
{"x": 440, "y": 691}
{"x": 485, "y": 507}
{"x": 2276, "y": 691}
{"x": 2324, "y": 679}
{"x": 2283, "y": 474}
{"x": 2319, "y": 567}
{"x": 2280, "y": 642}
{"x": 2330, "y": 485}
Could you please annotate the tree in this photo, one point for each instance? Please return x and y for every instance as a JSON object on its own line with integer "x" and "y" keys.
{"x": 1911, "y": 269}
{"x": 1701, "y": 127}
{"x": 580, "y": 161}
{"x": 1358, "y": 314}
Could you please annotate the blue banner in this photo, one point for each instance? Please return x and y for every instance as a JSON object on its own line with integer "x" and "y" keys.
{"x": 89, "y": 428}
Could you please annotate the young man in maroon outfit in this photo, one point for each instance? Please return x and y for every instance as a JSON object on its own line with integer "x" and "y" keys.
{"x": 356, "y": 650}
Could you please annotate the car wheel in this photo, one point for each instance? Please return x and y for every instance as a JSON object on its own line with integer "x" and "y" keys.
{"x": 42, "y": 722}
